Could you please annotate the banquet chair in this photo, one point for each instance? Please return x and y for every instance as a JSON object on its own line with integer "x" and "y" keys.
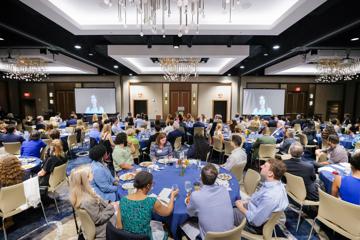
{"x": 112, "y": 233}
{"x": 71, "y": 140}
{"x": 272, "y": 129}
{"x": 297, "y": 127}
{"x": 251, "y": 181}
{"x": 28, "y": 128}
{"x": 57, "y": 178}
{"x": 228, "y": 148}
{"x": 177, "y": 144}
{"x": 238, "y": 171}
{"x": 12, "y": 147}
{"x": 199, "y": 131}
{"x": 70, "y": 130}
{"x": 266, "y": 151}
{"x": 136, "y": 154}
{"x": 304, "y": 141}
{"x": 233, "y": 234}
{"x": 268, "y": 228}
{"x": 87, "y": 224}
{"x": 295, "y": 188}
{"x": 218, "y": 147}
{"x": 357, "y": 145}
{"x": 47, "y": 141}
{"x": 43, "y": 152}
{"x": 12, "y": 202}
{"x": 253, "y": 129}
{"x": 342, "y": 217}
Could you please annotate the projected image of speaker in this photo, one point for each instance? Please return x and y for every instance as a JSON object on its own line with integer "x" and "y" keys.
{"x": 263, "y": 101}
{"x": 95, "y": 100}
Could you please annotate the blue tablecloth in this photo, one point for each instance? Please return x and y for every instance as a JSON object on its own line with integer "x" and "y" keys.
{"x": 76, "y": 162}
{"x": 33, "y": 170}
{"x": 328, "y": 177}
{"x": 345, "y": 140}
{"x": 170, "y": 175}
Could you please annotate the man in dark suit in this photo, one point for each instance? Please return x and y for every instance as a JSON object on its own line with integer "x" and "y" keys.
{"x": 198, "y": 123}
{"x": 10, "y": 135}
{"x": 299, "y": 167}
{"x": 171, "y": 137}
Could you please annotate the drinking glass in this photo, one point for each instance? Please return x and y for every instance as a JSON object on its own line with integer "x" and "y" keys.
{"x": 174, "y": 187}
{"x": 188, "y": 186}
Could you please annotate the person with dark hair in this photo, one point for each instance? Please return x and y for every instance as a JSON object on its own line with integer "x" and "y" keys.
{"x": 173, "y": 135}
{"x": 130, "y": 122}
{"x": 10, "y": 135}
{"x": 104, "y": 184}
{"x": 233, "y": 125}
{"x": 271, "y": 197}
{"x": 153, "y": 137}
{"x": 55, "y": 134}
{"x": 238, "y": 155}
{"x": 169, "y": 126}
{"x": 137, "y": 208}
{"x": 347, "y": 187}
{"x": 288, "y": 140}
{"x": 334, "y": 154}
{"x": 200, "y": 148}
{"x": 265, "y": 139}
{"x": 211, "y": 204}
{"x": 198, "y": 123}
{"x": 122, "y": 153}
{"x": 73, "y": 120}
{"x": 33, "y": 146}
{"x": 161, "y": 149}
{"x": 40, "y": 124}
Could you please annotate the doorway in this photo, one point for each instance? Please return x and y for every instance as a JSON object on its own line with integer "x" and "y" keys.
{"x": 140, "y": 106}
{"x": 28, "y": 107}
{"x": 334, "y": 110}
{"x": 220, "y": 107}
{"x": 180, "y": 98}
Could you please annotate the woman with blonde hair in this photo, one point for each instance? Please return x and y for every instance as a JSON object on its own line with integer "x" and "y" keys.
{"x": 104, "y": 117}
{"x": 218, "y": 132}
{"x": 95, "y": 118}
{"x": 56, "y": 158}
{"x": 82, "y": 196}
{"x": 11, "y": 172}
{"x": 80, "y": 127}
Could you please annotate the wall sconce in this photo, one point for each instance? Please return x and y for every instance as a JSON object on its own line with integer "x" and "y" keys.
{"x": 140, "y": 95}
{"x": 51, "y": 101}
{"x": 51, "y": 94}
{"x": 165, "y": 98}
{"x": 311, "y": 96}
{"x": 310, "y": 103}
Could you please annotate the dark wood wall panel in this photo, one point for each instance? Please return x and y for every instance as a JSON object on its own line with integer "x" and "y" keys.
{"x": 180, "y": 96}
{"x": 4, "y": 95}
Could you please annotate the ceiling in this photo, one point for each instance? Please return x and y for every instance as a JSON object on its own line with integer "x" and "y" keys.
{"x": 297, "y": 27}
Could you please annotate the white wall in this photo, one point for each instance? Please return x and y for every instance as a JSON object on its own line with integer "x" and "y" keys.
{"x": 208, "y": 92}
{"x": 152, "y": 92}
{"x": 325, "y": 93}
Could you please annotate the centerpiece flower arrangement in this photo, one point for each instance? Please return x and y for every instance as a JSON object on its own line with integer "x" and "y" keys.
{"x": 183, "y": 165}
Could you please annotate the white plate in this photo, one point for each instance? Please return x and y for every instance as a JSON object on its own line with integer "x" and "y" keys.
{"x": 129, "y": 185}
{"x": 163, "y": 160}
{"x": 146, "y": 164}
{"x": 224, "y": 176}
{"x": 127, "y": 176}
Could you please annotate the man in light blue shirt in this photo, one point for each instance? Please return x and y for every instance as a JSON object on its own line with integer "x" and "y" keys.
{"x": 212, "y": 204}
{"x": 139, "y": 122}
{"x": 271, "y": 197}
{"x": 95, "y": 132}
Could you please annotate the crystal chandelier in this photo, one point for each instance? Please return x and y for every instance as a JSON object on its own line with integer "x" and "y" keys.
{"x": 23, "y": 68}
{"x": 153, "y": 13}
{"x": 337, "y": 69}
{"x": 179, "y": 69}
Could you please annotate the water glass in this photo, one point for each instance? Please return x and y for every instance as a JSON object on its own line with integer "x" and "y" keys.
{"x": 188, "y": 186}
{"x": 174, "y": 187}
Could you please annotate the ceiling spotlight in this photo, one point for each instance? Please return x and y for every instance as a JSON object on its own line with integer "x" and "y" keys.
{"x": 175, "y": 46}
{"x": 77, "y": 46}
{"x": 229, "y": 74}
{"x": 177, "y": 41}
{"x": 141, "y": 34}
{"x": 130, "y": 74}
{"x": 1, "y": 39}
{"x": 353, "y": 39}
{"x": 276, "y": 47}
{"x": 91, "y": 54}
{"x": 242, "y": 66}
{"x": 116, "y": 66}
{"x": 266, "y": 54}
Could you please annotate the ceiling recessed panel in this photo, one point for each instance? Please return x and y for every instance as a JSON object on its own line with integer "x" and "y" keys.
{"x": 249, "y": 17}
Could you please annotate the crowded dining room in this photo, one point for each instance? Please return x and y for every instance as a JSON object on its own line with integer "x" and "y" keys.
{"x": 179, "y": 119}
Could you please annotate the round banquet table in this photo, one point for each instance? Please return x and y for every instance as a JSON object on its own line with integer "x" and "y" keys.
{"x": 328, "y": 177}
{"x": 345, "y": 140}
{"x": 171, "y": 175}
{"x": 31, "y": 165}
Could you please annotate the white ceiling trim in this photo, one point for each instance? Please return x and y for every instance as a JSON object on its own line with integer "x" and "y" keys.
{"x": 263, "y": 17}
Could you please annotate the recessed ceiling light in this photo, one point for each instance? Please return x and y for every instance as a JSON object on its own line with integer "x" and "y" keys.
{"x": 116, "y": 66}
{"x": 242, "y": 66}
{"x": 266, "y": 54}
{"x": 77, "y": 46}
{"x": 229, "y": 74}
{"x": 354, "y": 39}
{"x": 130, "y": 74}
{"x": 91, "y": 54}
{"x": 176, "y": 46}
{"x": 276, "y": 47}
{"x": 1, "y": 39}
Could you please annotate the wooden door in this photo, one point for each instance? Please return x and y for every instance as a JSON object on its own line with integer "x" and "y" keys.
{"x": 65, "y": 103}
{"x": 180, "y": 99}
{"x": 28, "y": 107}
{"x": 140, "y": 106}
{"x": 334, "y": 110}
{"x": 296, "y": 103}
{"x": 220, "y": 107}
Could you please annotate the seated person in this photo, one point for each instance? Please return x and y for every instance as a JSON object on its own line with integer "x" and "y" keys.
{"x": 82, "y": 196}
{"x": 198, "y": 123}
{"x": 94, "y": 133}
{"x": 238, "y": 155}
{"x": 279, "y": 133}
{"x": 200, "y": 148}
{"x": 271, "y": 197}
{"x": 153, "y": 137}
{"x": 334, "y": 154}
{"x": 212, "y": 204}
{"x": 121, "y": 155}
{"x": 169, "y": 126}
{"x": 104, "y": 184}
{"x": 131, "y": 136}
{"x": 218, "y": 132}
{"x": 40, "y": 124}
{"x": 347, "y": 187}
{"x": 55, "y": 134}
{"x": 288, "y": 140}
{"x": 72, "y": 121}
{"x": 32, "y": 147}
{"x": 56, "y": 158}
{"x": 137, "y": 208}
{"x": 11, "y": 172}
{"x": 161, "y": 149}
{"x": 171, "y": 137}
{"x": 301, "y": 168}
{"x": 10, "y": 135}
{"x": 265, "y": 139}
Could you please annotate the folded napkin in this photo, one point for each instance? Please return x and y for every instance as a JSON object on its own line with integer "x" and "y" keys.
{"x": 32, "y": 192}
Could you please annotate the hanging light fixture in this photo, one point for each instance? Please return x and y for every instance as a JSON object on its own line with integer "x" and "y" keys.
{"x": 179, "y": 69}
{"x": 337, "y": 69}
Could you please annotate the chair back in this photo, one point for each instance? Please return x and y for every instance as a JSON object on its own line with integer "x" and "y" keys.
{"x": 137, "y": 151}
{"x": 343, "y": 216}
{"x": 217, "y": 144}
{"x": 295, "y": 187}
{"x": 11, "y": 198}
{"x": 43, "y": 152}
{"x": 233, "y": 234}
{"x": 297, "y": 127}
{"x": 272, "y": 129}
{"x": 270, "y": 225}
{"x": 228, "y": 147}
{"x": 357, "y": 145}
{"x": 253, "y": 129}
{"x": 87, "y": 224}
{"x": 177, "y": 144}
{"x": 12, "y": 147}
{"x": 182, "y": 129}
{"x": 112, "y": 233}
{"x": 72, "y": 142}
{"x": 267, "y": 150}
{"x": 47, "y": 141}
{"x": 303, "y": 139}
{"x": 199, "y": 131}
{"x": 251, "y": 181}
{"x": 29, "y": 128}
{"x": 57, "y": 177}
{"x": 238, "y": 171}
{"x": 70, "y": 130}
